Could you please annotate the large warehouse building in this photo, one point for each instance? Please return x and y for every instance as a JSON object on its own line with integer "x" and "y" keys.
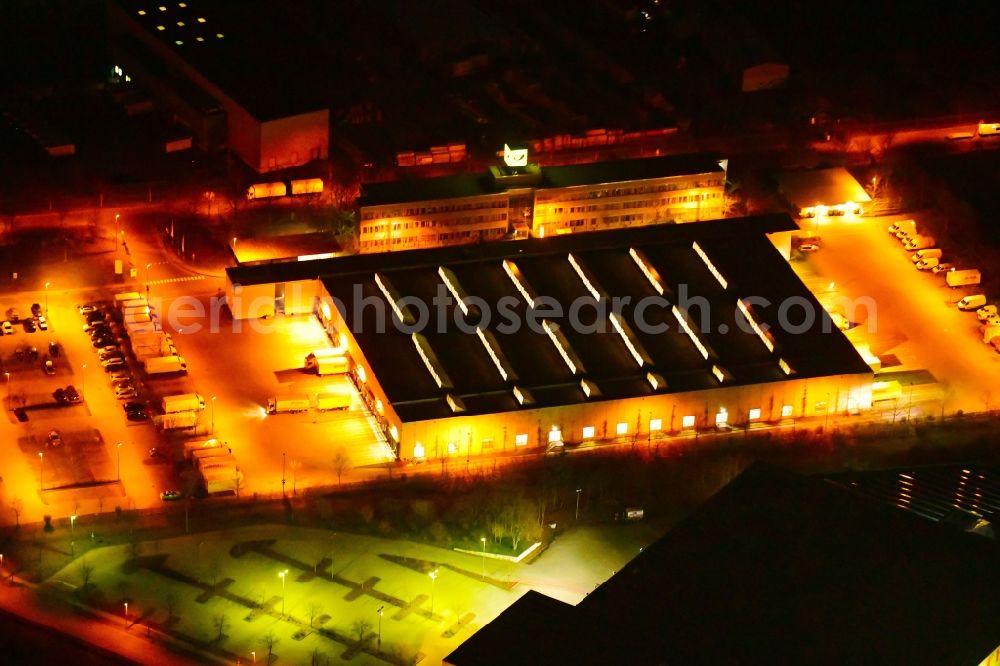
{"x": 518, "y": 201}
{"x": 662, "y": 329}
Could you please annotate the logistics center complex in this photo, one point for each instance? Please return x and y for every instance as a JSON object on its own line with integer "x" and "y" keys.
{"x": 626, "y": 335}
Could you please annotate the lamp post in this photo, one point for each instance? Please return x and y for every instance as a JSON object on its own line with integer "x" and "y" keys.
{"x": 83, "y": 380}
{"x": 282, "y": 576}
{"x": 119, "y": 462}
{"x": 282, "y": 474}
{"x": 483, "y": 541}
{"x": 147, "y": 282}
{"x": 47, "y": 298}
{"x": 213, "y": 414}
{"x": 381, "y": 609}
{"x": 253, "y": 653}
{"x": 9, "y": 403}
{"x": 41, "y": 469}
{"x": 117, "y": 215}
{"x": 126, "y": 615}
{"x": 72, "y": 525}
{"x": 434, "y": 576}
{"x": 578, "y": 491}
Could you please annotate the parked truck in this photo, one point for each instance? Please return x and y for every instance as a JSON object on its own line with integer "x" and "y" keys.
{"x": 183, "y": 402}
{"x": 919, "y": 243}
{"x": 327, "y": 401}
{"x": 288, "y": 405}
{"x": 133, "y": 327}
{"x": 222, "y": 481}
{"x": 328, "y": 362}
{"x": 215, "y": 463}
{"x": 126, "y": 296}
{"x": 146, "y": 353}
{"x": 176, "y": 420}
{"x": 990, "y": 332}
{"x": 157, "y": 337}
{"x": 192, "y": 446}
{"x": 164, "y": 365}
{"x": 137, "y": 304}
{"x": 964, "y": 278}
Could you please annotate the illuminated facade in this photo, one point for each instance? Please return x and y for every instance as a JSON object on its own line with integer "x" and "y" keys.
{"x": 521, "y": 200}
{"x": 655, "y": 368}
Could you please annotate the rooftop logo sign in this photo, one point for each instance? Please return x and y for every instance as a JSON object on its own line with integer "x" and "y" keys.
{"x": 515, "y": 157}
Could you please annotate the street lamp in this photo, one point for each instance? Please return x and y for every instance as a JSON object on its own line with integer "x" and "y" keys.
{"x": 41, "y": 469}
{"x": 117, "y": 215}
{"x": 434, "y": 576}
{"x": 9, "y": 403}
{"x": 483, "y": 540}
{"x": 119, "y": 462}
{"x": 126, "y": 615}
{"x": 47, "y": 298}
{"x": 282, "y": 576}
{"x": 213, "y": 414}
{"x": 578, "y": 491}
{"x": 381, "y": 609}
{"x": 253, "y": 653}
{"x": 282, "y": 474}
{"x": 72, "y": 525}
{"x": 83, "y": 379}
{"x": 147, "y": 282}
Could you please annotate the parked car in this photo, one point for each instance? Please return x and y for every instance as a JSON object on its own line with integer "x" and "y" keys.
{"x": 43, "y": 323}
{"x": 902, "y": 235}
{"x": 36, "y": 310}
{"x": 7, "y": 328}
{"x": 134, "y": 406}
{"x": 171, "y": 495}
{"x": 894, "y": 227}
{"x": 137, "y": 416}
{"x": 984, "y": 312}
{"x": 87, "y": 309}
{"x": 109, "y": 349}
{"x": 926, "y": 264}
{"x": 808, "y": 247}
{"x": 113, "y": 364}
{"x": 107, "y": 354}
{"x": 54, "y": 348}
{"x": 943, "y": 268}
{"x": 49, "y": 368}
{"x": 13, "y": 315}
{"x": 66, "y": 396}
{"x": 54, "y": 438}
{"x": 126, "y": 392}
{"x": 157, "y": 454}
{"x": 29, "y": 326}
{"x": 103, "y": 341}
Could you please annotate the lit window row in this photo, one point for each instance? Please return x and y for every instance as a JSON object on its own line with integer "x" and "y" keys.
{"x": 431, "y": 361}
{"x": 515, "y": 275}
{"x": 708, "y": 262}
{"x": 496, "y": 355}
{"x": 682, "y": 321}
{"x": 647, "y": 269}
{"x": 562, "y": 346}
{"x": 765, "y": 336}
{"x": 456, "y": 290}
{"x": 392, "y": 296}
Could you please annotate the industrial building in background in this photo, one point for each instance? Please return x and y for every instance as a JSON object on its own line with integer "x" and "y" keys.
{"x": 517, "y": 200}
{"x": 704, "y": 339}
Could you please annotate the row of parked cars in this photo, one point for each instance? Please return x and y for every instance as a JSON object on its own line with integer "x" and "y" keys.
{"x": 927, "y": 257}
{"x": 36, "y": 322}
{"x": 98, "y": 325}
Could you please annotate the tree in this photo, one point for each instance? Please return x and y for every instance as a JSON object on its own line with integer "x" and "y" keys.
{"x": 86, "y": 572}
{"x": 341, "y": 463}
{"x": 521, "y": 521}
{"x": 221, "y": 623}
{"x": 361, "y": 628}
{"x": 313, "y": 609}
{"x": 269, "y": 640}
{"x": 17, "y": 506}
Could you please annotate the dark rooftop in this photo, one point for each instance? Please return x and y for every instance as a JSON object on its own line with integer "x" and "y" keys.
{"x": 467, "y": 185}
{"x": 777, "y": 569}
{"x": 738, "y": 248}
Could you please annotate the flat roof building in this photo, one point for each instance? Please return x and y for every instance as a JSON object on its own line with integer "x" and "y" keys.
{"x": 585, "y": 337}
{"x": 775, "y": 569}
{"x": 822, "y": 192}
{"x": 537, "y": 201}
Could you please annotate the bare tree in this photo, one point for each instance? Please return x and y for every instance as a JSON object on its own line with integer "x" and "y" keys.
{"x": 17, "y": 506}
{"x": 86, "y": 572}
{"x": 238, "y": 482}
{"x": 341, "y": 463}
{"x": 269, "y": 640}
{"x": 313, "y": 609}
{"x": 221, "y": 623}
{"x": 361, "y": 628}
{"x": 171, "y": 603}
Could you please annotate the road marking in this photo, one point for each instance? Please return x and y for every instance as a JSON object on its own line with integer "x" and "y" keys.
{"x": 186, "y": 278}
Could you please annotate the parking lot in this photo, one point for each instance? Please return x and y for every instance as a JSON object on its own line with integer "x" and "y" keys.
{"x": 913, "y": 324}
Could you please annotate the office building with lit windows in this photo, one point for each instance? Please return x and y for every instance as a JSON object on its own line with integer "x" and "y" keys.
{"x": 522, "y": 201}
{"x": 703, "y": 326}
